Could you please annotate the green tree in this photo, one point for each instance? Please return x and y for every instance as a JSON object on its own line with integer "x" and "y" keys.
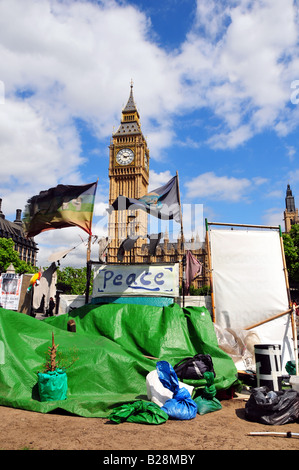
{"x": 8, "y": 255}
{"x": 291, "y": 249}
{"x": 72, "y": 280}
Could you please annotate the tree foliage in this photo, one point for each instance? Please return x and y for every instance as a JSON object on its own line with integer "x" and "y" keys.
{"x": 72, "y": 280}
{"x": 8, "y": 255}
{"x": 291, "y": 249}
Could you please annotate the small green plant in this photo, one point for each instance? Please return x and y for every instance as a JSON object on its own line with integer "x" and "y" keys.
{"x": 57, "y": 360}
{"x": 51, "y": 363}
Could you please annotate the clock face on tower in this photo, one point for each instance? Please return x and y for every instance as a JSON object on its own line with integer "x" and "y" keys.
{"x": 125, "y": 156}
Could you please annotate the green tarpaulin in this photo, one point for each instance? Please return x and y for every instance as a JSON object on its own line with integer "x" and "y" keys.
{"x": 111, "y": 343}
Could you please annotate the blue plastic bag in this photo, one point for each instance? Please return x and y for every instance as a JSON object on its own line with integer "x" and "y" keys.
{"x": 181, "y": 405}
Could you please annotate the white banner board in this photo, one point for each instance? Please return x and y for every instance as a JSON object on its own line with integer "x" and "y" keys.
{"x": 248, "y": 276}
{"x": 249, "y": 284}
{"x": 10, "y": 289}
{"x": 136, "y": 280}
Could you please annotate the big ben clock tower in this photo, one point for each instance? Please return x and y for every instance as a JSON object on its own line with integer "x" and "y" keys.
{"x": 129, "y": 174}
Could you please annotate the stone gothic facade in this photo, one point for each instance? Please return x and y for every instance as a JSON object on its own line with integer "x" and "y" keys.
{"x": 27, "y": 248}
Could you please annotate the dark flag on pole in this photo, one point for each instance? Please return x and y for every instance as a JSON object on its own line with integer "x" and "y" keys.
{"x": 162, "y": 202}
{"x": 154, "y": 242}
{"x": 126, "y": 245}
{"x": 129, "y": 242}
{"x": 59, "y": 207}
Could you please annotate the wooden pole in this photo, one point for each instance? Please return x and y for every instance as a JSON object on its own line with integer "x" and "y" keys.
{"x": 292, "y": 306}
{"x": 245, "y": 225}
{"x": 88, "y": 276}
{"x": 88, "y": 248}
{"x": 285, "y": 270}
{"x": 295, "y": 339}
{"x": 210, "y": 271}
{"x": 273, "y": 433}
{"x": 268, "y": 319}
{"x": 88, "y": 270}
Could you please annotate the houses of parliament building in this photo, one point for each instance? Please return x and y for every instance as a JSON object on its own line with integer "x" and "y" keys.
{"x": 129, "y": 160}
{"x": 27, "y": 248}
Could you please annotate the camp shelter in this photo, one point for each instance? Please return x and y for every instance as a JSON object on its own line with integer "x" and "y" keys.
{"x": 117, "y": 345}
{"x": 250, "y": 283}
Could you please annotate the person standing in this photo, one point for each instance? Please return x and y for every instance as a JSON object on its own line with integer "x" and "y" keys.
{"x": 51, "y": 307}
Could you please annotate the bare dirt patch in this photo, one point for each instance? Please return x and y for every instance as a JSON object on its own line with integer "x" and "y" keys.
{"x": 226, "y": 429}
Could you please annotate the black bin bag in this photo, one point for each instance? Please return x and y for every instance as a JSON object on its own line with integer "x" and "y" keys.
{"x": 193, "y": 368}
{"x": 268, "y": 407}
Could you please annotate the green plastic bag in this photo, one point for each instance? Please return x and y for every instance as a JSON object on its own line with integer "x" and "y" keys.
{"x": 205, "y": 405}
{"x": 143, "y": 412}
{"x": 209, "y": 391}
{"x": 291, "y": 367}
{"x": 207, "y": 402}
{"x": 52, "y": 386}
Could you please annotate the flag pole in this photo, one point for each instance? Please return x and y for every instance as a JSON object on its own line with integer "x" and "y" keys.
{"x": 210, "y": 270}
{"x": 88, "y": 262}
{"x": 88, "y": 270}
{"x": 182, "y": 240}
{"x": 179, "y": 198}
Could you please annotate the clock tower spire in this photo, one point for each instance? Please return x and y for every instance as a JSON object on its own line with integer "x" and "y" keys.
{"x": 129, "y": 175}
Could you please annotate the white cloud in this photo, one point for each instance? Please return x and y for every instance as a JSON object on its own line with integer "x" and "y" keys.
{"x": 158, "y": 179}
{"x": 29, "y": 145}
{"x": 243, "y": 67}
{"x": 222, "y": 187}
{"x": 76, "y": 58}
{"x": 258, "y": 180}
{"x": 277, "y": 194}
{"x": 255, "y": 49}
{"x": 231, "y": 139}
{"x": 100, "y": 208}
{"x": 291, "y": 152}
{"x": 274, "y": 217}
{"x": 294, "y": 175}
{"x": 62, "y": 60}
{"x": 69, "y": 60}
{"x": 54, "y": 241}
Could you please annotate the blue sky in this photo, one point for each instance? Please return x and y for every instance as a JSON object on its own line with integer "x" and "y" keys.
{"x": 215, "y": 83}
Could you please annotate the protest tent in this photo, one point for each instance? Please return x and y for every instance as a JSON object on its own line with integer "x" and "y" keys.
{"x": 116, "y": 346}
